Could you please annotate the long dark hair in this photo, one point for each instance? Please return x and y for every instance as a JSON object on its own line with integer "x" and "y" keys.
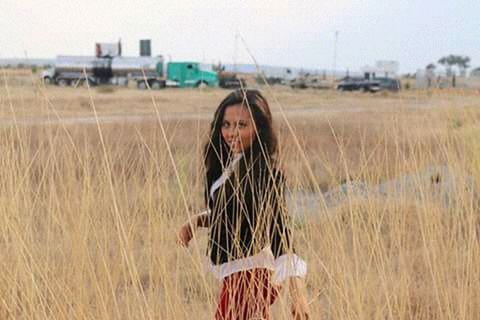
{"x": 263, "y": 148}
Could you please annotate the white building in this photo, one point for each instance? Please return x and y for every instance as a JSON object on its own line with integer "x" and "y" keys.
{"x": 382, "y": 68}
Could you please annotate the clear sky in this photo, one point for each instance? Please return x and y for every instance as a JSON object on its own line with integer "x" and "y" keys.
{"x": 288, "y": 33}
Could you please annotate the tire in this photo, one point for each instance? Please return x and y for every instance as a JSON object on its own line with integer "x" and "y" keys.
{"x": 87, "y": 83}
{"x": 155, "y": 84}
{"x": 142, "y": 85}
{"x": 63, "y": 82}
{"x": 201, "y": 84}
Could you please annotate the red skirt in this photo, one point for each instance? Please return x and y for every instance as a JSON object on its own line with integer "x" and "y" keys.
{"x": 246, "y": 295}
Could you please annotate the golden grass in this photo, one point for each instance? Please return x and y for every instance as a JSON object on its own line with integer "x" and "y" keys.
{"x": 88, "y": 227}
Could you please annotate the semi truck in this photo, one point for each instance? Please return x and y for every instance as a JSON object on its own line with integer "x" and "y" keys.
{"x": 190, "y": 74}
{"x": 145, "y": 71}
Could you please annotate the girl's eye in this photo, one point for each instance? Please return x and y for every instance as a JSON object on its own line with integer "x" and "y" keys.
{"x": 242, "y": 124}
{"x": 225, "y": 125}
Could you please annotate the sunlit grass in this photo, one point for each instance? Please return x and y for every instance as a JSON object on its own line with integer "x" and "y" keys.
{"x": 88, "y": 229}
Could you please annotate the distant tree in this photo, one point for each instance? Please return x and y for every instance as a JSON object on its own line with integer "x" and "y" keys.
{"x": 450, "y": 61}
{"x": 430, "y": 66}
{"x": 447, "y": 62}
{"x": 463, "y": 64}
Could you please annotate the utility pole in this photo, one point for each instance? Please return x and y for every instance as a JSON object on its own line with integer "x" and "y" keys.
{"x": 235, "y": 50}
{"x": 335, "y": 54}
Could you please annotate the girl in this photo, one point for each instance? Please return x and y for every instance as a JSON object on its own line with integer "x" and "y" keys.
{"x": 249, "y": 234}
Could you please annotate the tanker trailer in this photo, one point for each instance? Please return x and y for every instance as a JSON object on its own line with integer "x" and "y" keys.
{"x": 143, "y": 70}
{"x": 74, "y": 70}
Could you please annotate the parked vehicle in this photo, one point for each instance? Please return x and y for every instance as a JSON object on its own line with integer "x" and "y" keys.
{"x": 367, "y": 85}
{"x": 145, "y": 71}
{"x": 190, "y": 74}
{"x": 230, "y": 80}
{"x": 389, "y": 84}
{"x": 72, "y": 70}
{"x": 358, "y": 84}
{"x": 310, "y": 81}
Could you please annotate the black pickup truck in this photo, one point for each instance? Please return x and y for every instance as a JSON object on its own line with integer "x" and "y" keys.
{"x": 229, "y": 80}
{"x": 358, "y": 84}
{"x": 368, "y": 85}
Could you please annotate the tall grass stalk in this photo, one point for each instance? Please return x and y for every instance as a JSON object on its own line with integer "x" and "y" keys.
{"x": 88, "y": 214}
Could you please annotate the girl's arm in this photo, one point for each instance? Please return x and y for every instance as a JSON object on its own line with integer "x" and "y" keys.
{"x": 188, "y": 228}
{"x": 300, "y": 309}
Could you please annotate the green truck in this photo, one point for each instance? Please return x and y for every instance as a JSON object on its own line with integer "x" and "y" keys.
{"x": 179, "y": 75}
{"x": 189, "y": 75}
{"x": 145, "y": 71}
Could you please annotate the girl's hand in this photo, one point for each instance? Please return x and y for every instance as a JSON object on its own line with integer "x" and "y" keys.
{"x": 300, "y": 310}
{"x": 299, "y": 303}
{"x": 185, "y": 234}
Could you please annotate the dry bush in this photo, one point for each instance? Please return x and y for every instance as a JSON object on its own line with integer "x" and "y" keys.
{"x": 89, "y": 213}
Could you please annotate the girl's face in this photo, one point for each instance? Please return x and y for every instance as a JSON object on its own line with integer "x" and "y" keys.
{"x": 238, "y": 129}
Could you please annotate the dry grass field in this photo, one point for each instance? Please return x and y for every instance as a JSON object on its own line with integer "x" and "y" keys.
{"x": 95, "y": 183}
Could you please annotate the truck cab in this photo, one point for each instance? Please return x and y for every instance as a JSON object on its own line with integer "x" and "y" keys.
{"x": 48, "y": 75}
{"x": 190, "y": 75}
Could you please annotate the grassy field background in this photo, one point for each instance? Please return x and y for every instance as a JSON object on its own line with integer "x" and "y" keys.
{"x": 96, "y": 182}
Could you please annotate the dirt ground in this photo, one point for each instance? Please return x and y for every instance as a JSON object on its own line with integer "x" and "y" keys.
{"x": 24, "y": 99}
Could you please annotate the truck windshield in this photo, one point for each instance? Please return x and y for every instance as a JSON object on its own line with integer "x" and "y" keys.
{"x": 206, "y": 67}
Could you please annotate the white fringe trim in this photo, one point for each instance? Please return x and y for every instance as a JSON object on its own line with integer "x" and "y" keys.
{"x": 285, "y": 266}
